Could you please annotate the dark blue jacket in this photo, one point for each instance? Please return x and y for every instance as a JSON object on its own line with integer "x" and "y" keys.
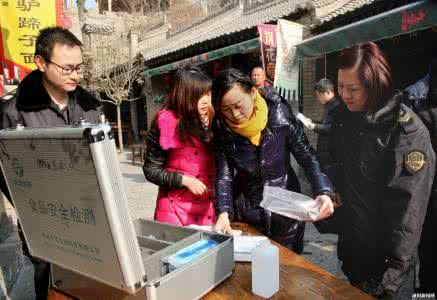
{"x": 267, "y": 164}
{"x": 422, "y": 98}
{"x": 324, "y": 126}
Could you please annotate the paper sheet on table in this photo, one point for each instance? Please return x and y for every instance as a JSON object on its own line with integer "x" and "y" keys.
{"x": 290, "y": 204}
{"x": 244, "y": 246}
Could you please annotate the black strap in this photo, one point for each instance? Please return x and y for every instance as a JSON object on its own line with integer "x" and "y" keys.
{"x": 432, "y": 93}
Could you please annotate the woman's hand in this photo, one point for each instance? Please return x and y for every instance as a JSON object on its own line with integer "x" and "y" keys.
{"x": 326, "y": 207}
{"x": 195, "y": 186}
{"x": 223, "y": 225}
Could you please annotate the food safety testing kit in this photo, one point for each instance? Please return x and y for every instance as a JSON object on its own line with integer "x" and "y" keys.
{"x": 67, "y": 188}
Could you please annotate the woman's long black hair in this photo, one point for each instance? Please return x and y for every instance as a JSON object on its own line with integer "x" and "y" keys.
{"x": 189, "y": 85}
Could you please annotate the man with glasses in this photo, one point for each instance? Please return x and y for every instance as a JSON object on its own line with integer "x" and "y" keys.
{"x": 50, "y": 97}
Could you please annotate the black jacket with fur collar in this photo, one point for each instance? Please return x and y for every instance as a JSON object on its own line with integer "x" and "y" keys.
{"x": 383, "y": 167}
{"x": 33, "y": 107}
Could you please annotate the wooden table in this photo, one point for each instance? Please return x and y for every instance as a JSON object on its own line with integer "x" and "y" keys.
{"x": 299, "y": 279}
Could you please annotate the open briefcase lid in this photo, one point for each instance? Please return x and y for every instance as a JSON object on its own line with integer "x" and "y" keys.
{"x": 67, "y": 188}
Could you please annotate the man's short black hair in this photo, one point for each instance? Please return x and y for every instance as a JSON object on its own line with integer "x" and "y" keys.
{"x": 258, "y": 67}
{"x": 50, "y": 36}
{"x": 324, "y": 85}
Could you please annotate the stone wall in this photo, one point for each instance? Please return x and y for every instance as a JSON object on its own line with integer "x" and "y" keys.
{"x": 16, "y": 270}
{"x": 311, "y": 107}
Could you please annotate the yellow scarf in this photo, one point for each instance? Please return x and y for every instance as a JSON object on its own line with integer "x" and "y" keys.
{"x": 252, "y": 128}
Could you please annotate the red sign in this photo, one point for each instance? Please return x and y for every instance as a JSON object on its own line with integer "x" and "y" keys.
{"x": 20, "y": 23}
{"x": 267, "y": 35}
{"x": 410, "y": 19}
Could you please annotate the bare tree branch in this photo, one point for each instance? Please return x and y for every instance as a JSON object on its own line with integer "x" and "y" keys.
{"x": 105, "y": 74}
{"x": 107, "y": 101}
{"x": 133, "y": 99}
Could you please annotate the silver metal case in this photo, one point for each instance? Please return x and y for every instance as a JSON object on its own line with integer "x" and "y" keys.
{"x": 67, "y": 188}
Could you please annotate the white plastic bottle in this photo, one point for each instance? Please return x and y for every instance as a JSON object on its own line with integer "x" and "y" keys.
{"x": 265, "y": 269}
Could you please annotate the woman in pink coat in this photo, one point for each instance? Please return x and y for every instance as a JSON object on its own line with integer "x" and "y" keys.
{"x": 179, "y": 157}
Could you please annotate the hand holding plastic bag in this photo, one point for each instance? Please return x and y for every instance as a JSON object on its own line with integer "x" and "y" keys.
{"x": 307, "y": 122}
{"x": 294, "y": 205}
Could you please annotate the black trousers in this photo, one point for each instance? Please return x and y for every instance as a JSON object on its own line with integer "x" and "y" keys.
{"x": 41, "y": 276}
{"x": 428, "y": 250}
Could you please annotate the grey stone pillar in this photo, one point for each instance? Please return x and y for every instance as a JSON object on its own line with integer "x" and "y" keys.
{"x": 133, "y": 50}
{"x": 2, "y": 206}
{"x": 109, "y": 5}
{"x": 148, "y": 94}
{"x": 133, "y": 43}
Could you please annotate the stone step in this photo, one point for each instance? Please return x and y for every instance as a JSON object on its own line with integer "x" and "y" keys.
{"x": 24, "y": 288}
{"x": 11, "y": 255}
{"x": 11, "y": 261}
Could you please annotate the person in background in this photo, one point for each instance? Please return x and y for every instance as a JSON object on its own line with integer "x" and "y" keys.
{"x": 325, "y": 94}
{"x": 48, "y": 97}
{"x": 258, "y": 76}
{"x": 385, "y": 167}
{"x": 179, "y": 156}
{"x": 255, "y": 132}
{"x": 422, "y": 98}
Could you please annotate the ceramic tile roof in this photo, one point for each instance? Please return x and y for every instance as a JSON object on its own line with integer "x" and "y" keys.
{"x": 97, "y": 26}
{"x": 323, "y": 3}
{"x": 235, "y": 19}
{"x": 345, "y": 8}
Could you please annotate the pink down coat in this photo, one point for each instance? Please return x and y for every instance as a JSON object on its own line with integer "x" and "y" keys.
{"x": 179, "y": 206}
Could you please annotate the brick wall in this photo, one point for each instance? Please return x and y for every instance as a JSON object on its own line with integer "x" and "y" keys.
{"x": 311, "y": 107}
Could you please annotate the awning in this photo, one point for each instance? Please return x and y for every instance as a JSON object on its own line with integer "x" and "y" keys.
{"x": 405, "y": 19}
{"x": 205, "y": 57}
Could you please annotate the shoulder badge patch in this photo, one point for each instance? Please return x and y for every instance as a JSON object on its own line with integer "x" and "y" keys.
{"x": 404, "y": 117}
{"x": 414, "y": 161}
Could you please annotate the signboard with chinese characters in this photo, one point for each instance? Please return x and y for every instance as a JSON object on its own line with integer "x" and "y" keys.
{"x": 20, "y": 22}
{"x": 70, "y": 212}
{"x": 287, "y": 69}
{"x": 267, "y": 35}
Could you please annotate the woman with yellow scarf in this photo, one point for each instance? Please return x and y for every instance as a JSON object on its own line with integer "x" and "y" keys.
{"x": 255, "y": 132}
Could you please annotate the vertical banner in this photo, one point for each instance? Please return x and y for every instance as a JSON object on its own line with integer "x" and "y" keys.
{"x": 2, "y": 88}
{"x": 20, "y": 23}
{"x": 287, "y": 68}
{"x": 267, "y": 35}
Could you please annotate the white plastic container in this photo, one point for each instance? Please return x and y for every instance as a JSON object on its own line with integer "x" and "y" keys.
{"x": 265, "y": 269}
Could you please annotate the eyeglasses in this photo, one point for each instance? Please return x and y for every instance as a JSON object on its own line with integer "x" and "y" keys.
{"x": 69, "y": 69}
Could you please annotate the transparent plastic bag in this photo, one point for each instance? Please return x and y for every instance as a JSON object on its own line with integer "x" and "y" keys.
{"x": 290, "y": 204}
